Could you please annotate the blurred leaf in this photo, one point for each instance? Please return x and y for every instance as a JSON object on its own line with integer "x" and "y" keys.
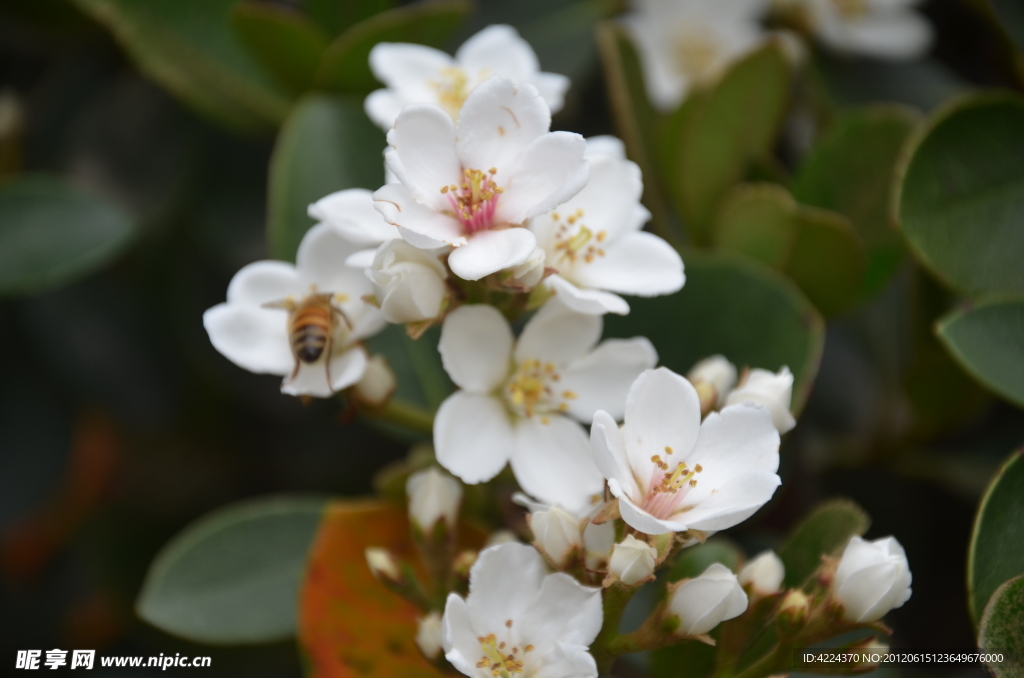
{"x": 327, "y": 144}
{"x": 422, "y": 380}
{"x": 824, "y": 532}
{"x": 692, "y": 561}
{"x": 53, "y": 234}
{"x": 697, "y": 658}
{"x": 345, "y": 66}
{"x": 232, "y": 577}
{"x": 735, "y": 307}
{"x": 1002, "y": 629}
{"x": 1011, "y": 18}
{"x": 334, "y": 16}
{"x": 288, "y": 44}
{"x": 921, "y": 83}
{"x": 188, "y": 47}
{"x": 850, "y": 170}
{"x": 997, "y": 541}
{"x": 961, "y": 203}
{"x": 818, "y": 249}
{"x": 988, "y": 341}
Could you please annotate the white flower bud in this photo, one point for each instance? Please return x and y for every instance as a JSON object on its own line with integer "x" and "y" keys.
{"x": 433, "y": 495}
{"x": 409, "y": 283}
{"x": 794, "y": 609}
{"x": 383, "y": 565}
{"x": 706, "y": 601}
{"x": 632, "y": 561}
{"x": 598, "y": 542}
{"x": 716, "y": 372}
{"x": 873, "y": 577}
{"x": 377, "y": 384}
{"x": 501, "y": 537}
{"x": 557, "y": 533}
{"x": 527, "y": 274}
{"x": 428, "y": 635}
{"x": 774, "y": 391}
{"x": 764, "y": 574}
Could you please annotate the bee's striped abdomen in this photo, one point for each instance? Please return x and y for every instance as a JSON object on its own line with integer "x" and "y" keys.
{"x": 310, "y": 328}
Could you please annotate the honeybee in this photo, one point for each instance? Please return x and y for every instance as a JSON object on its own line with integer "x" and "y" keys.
{"x": 312, "y": 325}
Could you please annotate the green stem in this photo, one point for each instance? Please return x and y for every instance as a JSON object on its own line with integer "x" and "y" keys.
{"x": 407, "y": 416}
{"x": 616, "y": 597}
{"x": 776, "y": 661}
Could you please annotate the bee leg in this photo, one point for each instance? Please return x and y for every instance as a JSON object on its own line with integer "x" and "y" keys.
{"x": 327, "y": 362}
{"x": 295, "y": 371}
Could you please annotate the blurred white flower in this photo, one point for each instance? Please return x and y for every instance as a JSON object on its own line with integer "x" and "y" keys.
{"x": 383, "y": 565}
{"x": 704, "y": 602}
{"x": 873, "y": 577}
{"x": 416, "y": 74}
{"x": 352, "y": 214}
{"x": 519, "y": 620}
{"x": 409, "y": 283}
{"x": 670, "y": 472}
{"x": 887, "y": 29}
{"x": 433, "y": 496}
{"x": 774, "y": 391}
{"x": 377, "y": 385}
{"x": 595, "y": 244}
{"x": 303, "y": 321}
{"x": 428, "y": 635}
{"x": 718, "y": 374}
{"x": 474, "y": 186}
{"x": 632, "y": 561}
{"x": 764, "y": 574}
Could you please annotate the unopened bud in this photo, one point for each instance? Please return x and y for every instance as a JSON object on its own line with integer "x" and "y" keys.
{"x": 794, "y": 610}
{"x": 774, "y": 391}
{"x": 526, "y": 275}
{"x": 872, "y": 578}
{"x": 632, "y": 561}
{"x": 763, "y": 574}
{"x": 464, "y": 562}
{"x": 702, "y": 603}
{"x": 428, "y": 635}
{"x": 501, "y": 537}
{"x": 713, "y": 378}
{"x": 433, "y": 496}
{"x": 384, "y": 566}
{"x": 377, "y": 385}
{"x": 556, "y": 534}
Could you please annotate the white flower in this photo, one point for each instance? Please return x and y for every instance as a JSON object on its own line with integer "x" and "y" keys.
{"x": 718, "y": 373}
{"x": 595, "y": 244}
{"x": 774, "y": 391}
{"x": 519, "y": 619}
{"x": 888, "y": 29}
{"x": 428, "y": 635}
{"x": 377, "y": 384}
{"x": 409, "y": 283}
{"x": 302, "y": 321}
{"x": 689, "y": 43}
{"x": 706, "y": 601}
{"x": 596, "y": 541}
{"x": 764, "y": 574}
{"x": 632, "y": 560}
{"x": 433, "y": 496}
{"x": 473, "y": 187}
{"x": 352, "y": 214}
{"x": 873, "y": 577}
{"x": 416, "y": 74}
{"x": 671, "y": 473}
{"x": 522, "y": 401}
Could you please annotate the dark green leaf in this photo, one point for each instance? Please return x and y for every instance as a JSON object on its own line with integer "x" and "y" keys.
{"x": 327, "y": 144}
{"x": 1002, "y": 629}
{"x": 1011, "y": 17}
{"x": 422, "y": 380}
{"x": 997, "y": 542}
{"x": 233, "y": 576}
{"x": 692, "y": 561}
{"x": 189, "y": 48}
{"x": 697, "y": 658}
{"x": 334, "y": 16}
{"x": 288, "y": 44}
{"x": 52, "y": 234}
{"x": 824, "y": 532}
{"x": 988, "y": 341}
{"x": 961, "y": 203}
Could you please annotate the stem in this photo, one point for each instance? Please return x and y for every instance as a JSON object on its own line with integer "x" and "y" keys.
{"x": 774, "y": 662}
{"x": 407, "y": 416}
{"x": 616, "y": 597}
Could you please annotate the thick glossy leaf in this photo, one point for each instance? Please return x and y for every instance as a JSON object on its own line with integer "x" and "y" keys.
{"x": 988, "y": 341}
{"x": 189, "y": 48}
{"x": 818, "y": 249}
{"x": 997, "y": 542}
{"x": 692, "y": 561}
{"x": 1002, "y": 629}
{"x": 736, "y": 307}
{"x": 233, "y": 576}
{"x": 824, "y": 532}
{"x": 326, "y": 144}
{"x": 1011, "y": 17}
{"x": 697, "y": 657}
{"x": 285, "y": 42}
{"x": 961, "y": 202}
{"x": 334, "y": 16}
{"x": 345, "y": 67}
{"x": 422, "y": 380}
{"x": 52, "y": 234}
{"x": 850, "y": 170}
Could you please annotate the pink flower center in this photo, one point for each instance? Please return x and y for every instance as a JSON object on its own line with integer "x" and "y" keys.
{"x": 666, "y": 491}
{"x": 474, "y": 200}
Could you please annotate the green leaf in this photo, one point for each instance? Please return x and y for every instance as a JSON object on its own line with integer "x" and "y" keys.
{"x": 188, "y": 47}
{"x": 334, "y": 16}
{"x": 961, "y": 202}
{"x": 52, "y": 234}
{"x": 698, "y": 659}
{"x": 1002, "y": 629}
{"x": 824, "y": 532}
{"x": 988, "y": 341}
{"x": 233, "y": 576}
{"x": 1011, "y": 17}
{"x": 818, "y": 249}
{"x": 288, "y": 44}
{"x": 327, "y": 144}
{"x": 345, "y": 66}
{"x": 997, "y": 542}
{"x": 736, "y": 307}
{"x": 693, "y": 561}
{"x": 850, "y": 170}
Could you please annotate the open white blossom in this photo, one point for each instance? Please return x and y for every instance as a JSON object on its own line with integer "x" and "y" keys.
{"x": 773, "y": 390}
{"x": 352, "y": 214}
{"x": 887, "y": 29}
{"x": 764, "y": 573}
{"x": 704, "y": 602}
{"x": 409, "y": 283}
{"x": 303, "y": 321}
{"x": 473, "y": 187}
{"x": 417, "y": 74}
{"x": 521, "y": 402}
{"x": 670, "y": 472}
{"x": 595, "y": 244}
{"x": 873, "y": 577}
{"x": 685, "y": 44}
{"x": 520, "y": 620}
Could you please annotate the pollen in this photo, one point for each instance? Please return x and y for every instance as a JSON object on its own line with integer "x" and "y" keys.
{"x": 474, "y": 201}
{"x": 575, "y": 242}
{"x": 494, "y": 658}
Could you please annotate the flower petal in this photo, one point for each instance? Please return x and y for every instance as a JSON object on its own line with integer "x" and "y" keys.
{"x": 498, "y": 49}
{"x": 352, "y": 213}
{"x": 731, "y": 502}
{"x": 591, "y": 302}
{"x": 550, "y": 171}
{"x": 605, "y": 145}
{"x": 460, "y": 642}
{"x": 492, "y": 251}
{"x": 422, "y": 153}
{"x": 475, "y": 347}
{"x": 609, "y": 452}
{"x": 264, "y": 281}
{"x": 564, "y": 610}
{"x": 739, "y": 438}
{"x": 610, "y": 202}
{"x": 419, "y": 225}
{"x": 409, "y": 68}
{"x": 503, "y": 583}
{"x": 643, "y": 521}
{"x": 472, "y": 436}
{"x": 601, "y": 379}
{"x": 552, "y": 86}
{"x": 497, "y": 123}
{"x": 254, "y": 338}
{"x": 382, "y": 106}
{"x": 344, "y": 369}
{"x": 320, "y": 263}
{"x": 552, "y": 462}
{"x": 567, "y": 661}
{"x": 637, "y": 263}
{"x": 557, "y": 335}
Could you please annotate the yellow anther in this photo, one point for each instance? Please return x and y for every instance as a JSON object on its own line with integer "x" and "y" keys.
{"x": 698, "y": 468}
{"x": 602, "y": 236}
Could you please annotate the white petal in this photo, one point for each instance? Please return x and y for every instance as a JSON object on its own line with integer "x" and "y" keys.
{"x": 382, "y": 106}
{"x": 497, "y": 122}
{"x": 503, "y": 583}
{"x": 601, "y": 380}
{"x": 666, "y": 86}
{"x": 422, "y": 153}
{"x": 637, "y": 263}
{"x": 611, "y": 199}
{"x": 362, "y": 259}
{"x": 418, "y": 224}
{"x": 345, "y": 369}
{"x": 605, "y": 145}
{"x": 492, "y": 251}
{"x": 472, "y": 436}
{"x": 255, "y": 339}
{"x": 264, "y": 281}
{"x": 643, "y": 521}
{"x": 564, "y": 610}
{"x": 552, "y": 86}
{"x": 609, "y": 452}
{"x": 320, "y": 263}
{"x": 475, "y": 347}
{"x": 739, "y": 438}
{"x": 409, "y": 68}
{"x": 498, "y": 49}
{"x": 567, "y": 661}
{"x": 460, "y": 642}
{"x": 887, "y": 34}
{"x": 552, "y": 462}
{"x": 557, "y": 335}
{"x": 733, "y": 501}
{"x": 352, "y": 213}
{"x": 591, "y": 302}
{"x": 550, "y": 171}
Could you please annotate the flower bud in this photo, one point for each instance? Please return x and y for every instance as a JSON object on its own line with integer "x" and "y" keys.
{"x": 556, "y": 533}
{"x": 774, "y": 391}
{"x": 872, "y": 578}
{"x": 764, "y": 574}
{"x": 794, "y": 610}
{"x": 428, "y": 635}
{"x": 501, "y": 537}
{"x": 377, "y": 384}
{"x": 433, "y": 496}
{"x": 384, "y": 566}
{"x": 409, "y": 283}
{"x": 598, "y": 542}
{"x": 464, "y": 562}
{"x": 526, "y": 275}
{"x": 632, "y": 561}
{"x": 717, "y": 375}
{"x": 704, "y": 602}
